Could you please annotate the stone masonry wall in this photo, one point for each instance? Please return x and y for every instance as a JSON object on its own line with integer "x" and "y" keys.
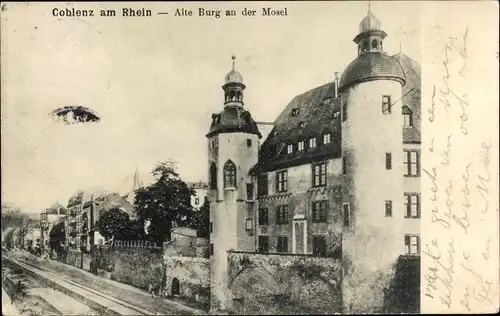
{"x": 191, "y": 274}
{"x": 284, "y": 284}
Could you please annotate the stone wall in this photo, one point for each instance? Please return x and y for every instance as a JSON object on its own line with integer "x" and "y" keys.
{"x": 188, "y": 277}
{"x": 284, "y": 284}
{"x": 138, "y": 267}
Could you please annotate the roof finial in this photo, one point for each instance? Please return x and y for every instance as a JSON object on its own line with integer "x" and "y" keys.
{"x": 369, "y": 7}
{"x": 233, "y": 58}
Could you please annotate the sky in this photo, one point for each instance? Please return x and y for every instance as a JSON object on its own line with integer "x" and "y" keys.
{"x": 155, "y": 81}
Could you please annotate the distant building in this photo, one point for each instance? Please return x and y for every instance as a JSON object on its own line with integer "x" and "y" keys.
{"x": 95, "y": 208}
{"x": 201, "y": 190}
{"x": 184, "y": 242}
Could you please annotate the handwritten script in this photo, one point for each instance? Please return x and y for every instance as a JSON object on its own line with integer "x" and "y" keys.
{"x": 457, "y": 189}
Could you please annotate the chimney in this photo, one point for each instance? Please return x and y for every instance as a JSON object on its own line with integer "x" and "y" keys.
{"x": 337, "y": 79}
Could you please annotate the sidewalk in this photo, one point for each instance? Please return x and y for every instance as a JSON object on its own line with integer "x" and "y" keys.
{"x": 124, "y": 292}
{"x": 8, "y": 309}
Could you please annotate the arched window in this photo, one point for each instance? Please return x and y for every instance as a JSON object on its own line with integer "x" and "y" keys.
{"x": 366, "y": 46}
{"x": 230, "y": 174}
{"x": 213, "y": 176}
{"x": 374, "y": 44}
{"x": 239, "y": 96}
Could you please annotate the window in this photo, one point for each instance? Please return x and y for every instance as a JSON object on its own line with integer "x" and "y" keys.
{"x": 388, "y": 161}
{"x": 249, "y": 142}
{"x": 211, "y": 227}
{"x": 327, "y": 138}
{"x": 302, "y": 124}
{"x": 374, "y": 43}
{"x": 263, "y": 243}
{"x": 282, "y": 215}
{"x": 344, "y": 110}
{"x": 346, "y": 210}
{"x": 412, "y": 244}
{"x": 213, "y": 176}
{"x": 262, "y": 184}
{"x": 386, "y": 104}
{"x": 411, "y": 161}
{"x": 250, "y": 191}
{"x": 229, "y": 175}
{"x": 281, "y": 181}
{"x": 289, "y": 149}
{"x": 214, "y": 143}
{"x": 196, "y": 201}
{"x": 407, "y": 117}
{"x": 263, "y": 216}
{"x": 211, "y": 249}
{"x": 282, "y": 244}
{"x": 319, "y": 175}
{"x": 319, "y": 246}
{"x": 388, "y": 208}
{"x": 295, "y": 112}
{"x": 312, "y": 142}
{"x": 320, "y": 211}
{"x": 300, "y": 146}
{"x": 412, "y": 205}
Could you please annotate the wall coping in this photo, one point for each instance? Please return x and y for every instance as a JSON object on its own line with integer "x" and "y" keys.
{"x": 184, "y": 259}
{"x": 278, "y": 254}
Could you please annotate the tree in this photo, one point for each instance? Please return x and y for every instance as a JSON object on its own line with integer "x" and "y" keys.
{"x": 113, "y": 223}
{"x": 200, "y": 220}
{"x": 57, "y": 236}
{"x": 166, "y": 200}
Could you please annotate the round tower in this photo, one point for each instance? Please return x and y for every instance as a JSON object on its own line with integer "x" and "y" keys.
{"x": 233, "y": 144}
{"x": 373, "y": 218}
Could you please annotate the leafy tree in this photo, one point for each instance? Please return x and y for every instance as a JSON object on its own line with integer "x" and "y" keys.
{"x": 9, "y": 239}
{"x": 133, "y": 231}
{"x": 166, "y": 200}
{"x": 57, "y": 236}
{"x": 200, "y": 220}
{"x": 113, "y": 223}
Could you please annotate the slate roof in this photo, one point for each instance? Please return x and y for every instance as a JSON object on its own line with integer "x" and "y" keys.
{"x": 316, "y": 109}
{"x": 371, "y": 66}
{"x": 411, "y": 98}
{"x": 233, "y": 119}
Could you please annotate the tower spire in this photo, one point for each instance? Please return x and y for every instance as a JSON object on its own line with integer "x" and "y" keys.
{"x": 369, "y": 7}
{"x": 233, "y": 58}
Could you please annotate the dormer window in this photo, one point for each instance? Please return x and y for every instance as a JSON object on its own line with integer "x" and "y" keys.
{"x": 386, "y": 104}
{"x": 300, "y": 146}
{"x": 327, "y": 138}
{"x": 289, "y": 149}
{"x": 295, "y": 112}
{"x": 302, "y": 124}
{"x": 312, "y": 142}
{"x": 407, "y": 117}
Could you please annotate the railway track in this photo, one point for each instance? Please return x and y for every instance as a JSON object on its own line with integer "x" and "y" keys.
{"x": 101, "y": 302}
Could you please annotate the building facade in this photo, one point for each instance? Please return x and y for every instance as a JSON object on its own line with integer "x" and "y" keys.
{"x": 338, "y": 175}
{"x": 201, "y": 190}
{"x": 96, "y": 207}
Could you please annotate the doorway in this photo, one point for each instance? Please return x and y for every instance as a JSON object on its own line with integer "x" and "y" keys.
{"x": 175, "y": 286}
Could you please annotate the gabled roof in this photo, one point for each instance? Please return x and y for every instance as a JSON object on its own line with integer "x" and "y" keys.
{"x": 308, "y": 115}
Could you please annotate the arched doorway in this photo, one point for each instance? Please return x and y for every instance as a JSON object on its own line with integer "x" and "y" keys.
{"x": 175, "y": 286}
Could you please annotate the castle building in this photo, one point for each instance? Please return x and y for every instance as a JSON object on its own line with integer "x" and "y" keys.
{"x": 338, "y": 175}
